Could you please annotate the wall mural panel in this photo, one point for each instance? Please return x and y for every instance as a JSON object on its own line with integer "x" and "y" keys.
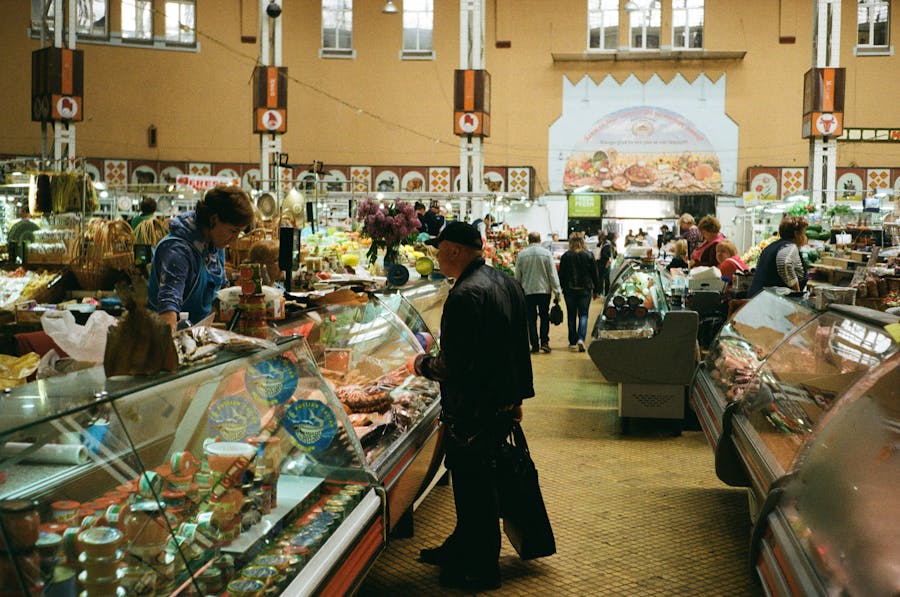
{"x": 644, "y": 137}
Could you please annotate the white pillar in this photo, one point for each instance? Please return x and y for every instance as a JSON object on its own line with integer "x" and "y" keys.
{"x": 471, "y": 56}
{"x": 826, "y": 54}
{"x": 270, "y": 54}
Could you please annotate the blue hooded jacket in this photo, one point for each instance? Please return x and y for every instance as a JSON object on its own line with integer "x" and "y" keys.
{"x": 186, "y": 272}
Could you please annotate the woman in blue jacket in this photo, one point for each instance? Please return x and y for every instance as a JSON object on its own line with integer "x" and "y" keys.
{"x": 189, "y": 264}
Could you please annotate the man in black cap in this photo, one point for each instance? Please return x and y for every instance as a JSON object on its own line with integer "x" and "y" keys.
{"x": 484, "y": 369}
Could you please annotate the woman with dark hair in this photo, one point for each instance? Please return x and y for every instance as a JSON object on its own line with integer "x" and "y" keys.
{"x": 780, "y": 263}
{"x": 579, "y": 281}
{"x": 148, "y": 209}
{"x": 189, "y": 263}
{"x": 705, "y": 253}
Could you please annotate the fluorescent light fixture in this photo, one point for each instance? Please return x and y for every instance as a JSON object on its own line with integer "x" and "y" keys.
{"x": 389, "y": 8}
{"x": 582, "y": 188}
{"x": 631, "y": 6}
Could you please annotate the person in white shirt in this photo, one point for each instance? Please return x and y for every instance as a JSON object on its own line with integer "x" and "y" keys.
{"x": 536, "y": 272}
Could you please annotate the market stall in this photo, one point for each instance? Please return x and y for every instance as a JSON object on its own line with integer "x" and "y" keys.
{"x": 275, "y": 469}
{"x": 773, "y": 386}
{"x": 644, "y": 345}
{"x": 357, "y": 345}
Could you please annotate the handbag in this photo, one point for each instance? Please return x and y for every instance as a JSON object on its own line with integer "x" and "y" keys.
{"x": 556, "y": 313}
{"x": 525, "y": 520}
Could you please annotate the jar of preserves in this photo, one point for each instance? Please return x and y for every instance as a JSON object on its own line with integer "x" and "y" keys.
{"x": 21, "y": 525}
{"x": 145, "y": 525}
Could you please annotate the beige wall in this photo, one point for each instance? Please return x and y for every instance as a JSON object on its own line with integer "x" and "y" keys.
{"x": 200, "y": 102}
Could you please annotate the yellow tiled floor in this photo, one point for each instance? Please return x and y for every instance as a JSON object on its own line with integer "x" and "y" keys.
{"x": 635, "y": 514}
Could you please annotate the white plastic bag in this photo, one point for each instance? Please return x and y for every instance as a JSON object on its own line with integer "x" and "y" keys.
{"x": 81, "y": 342}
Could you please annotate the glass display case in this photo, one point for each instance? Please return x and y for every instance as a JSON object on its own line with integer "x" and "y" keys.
{"x": 361, "y": 350}
{"x": 644, "y": 344}
{"x": 745, "y": 340}
{"x": 419, "y": 306}
{"x": 833, "y": 524}
{"x": 245, "y": 473}
{"x": 803, "y": 404}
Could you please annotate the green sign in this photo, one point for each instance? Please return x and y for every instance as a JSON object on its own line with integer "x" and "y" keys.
{"x": 584, "y": 205}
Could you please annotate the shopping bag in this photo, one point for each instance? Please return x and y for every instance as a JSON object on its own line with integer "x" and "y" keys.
{"x": 525, "y": 519}
{"x": 556, "y": 313}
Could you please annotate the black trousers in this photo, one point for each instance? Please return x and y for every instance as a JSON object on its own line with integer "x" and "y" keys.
{"x": 474, "y": 545}
{"x": 538, "y": 308}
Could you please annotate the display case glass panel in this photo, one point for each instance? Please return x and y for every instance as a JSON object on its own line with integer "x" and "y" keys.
{"x": 766, "y": 321}
{"x": 799, "y": 381}
{"x": 139, "y": 483}
{"x": 749, "y": 338}
{"x": 362, "y": 350}
{"x": 636, "y": 305}
{"x": 841, "y": 501}
{"x": 425, "y": 300}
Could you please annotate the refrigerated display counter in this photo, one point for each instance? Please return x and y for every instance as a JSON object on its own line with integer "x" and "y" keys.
{"x": 800, "y": 408}
{"x": 356, "y": 346}
{"x": 183, "y": 483}
{"x": 645, "y": 346}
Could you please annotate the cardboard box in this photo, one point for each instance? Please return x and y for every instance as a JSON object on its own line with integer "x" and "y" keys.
{"x": 709, "y": 284}
{"x": 652, "y": 401}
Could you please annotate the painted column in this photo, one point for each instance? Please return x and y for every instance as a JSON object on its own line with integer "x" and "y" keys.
{"x": 826, "y": 54}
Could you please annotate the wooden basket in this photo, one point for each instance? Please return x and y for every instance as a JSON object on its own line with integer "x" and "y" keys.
{"x": 240, "y": 249}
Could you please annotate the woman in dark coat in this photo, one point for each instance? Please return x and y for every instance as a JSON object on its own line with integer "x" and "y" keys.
{"x": 579, "y": 281}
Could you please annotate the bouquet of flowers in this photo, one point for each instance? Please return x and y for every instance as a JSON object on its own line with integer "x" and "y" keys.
{"x": 387, "y": 226}
{"x": 752, "y": 254}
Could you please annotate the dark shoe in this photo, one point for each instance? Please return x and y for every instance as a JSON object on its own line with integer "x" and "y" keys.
{"x": 432, "y": 555}
{"x": 456, "y": 579}
{"x": 535, "y": 350}
{"x": 544, "y": 348}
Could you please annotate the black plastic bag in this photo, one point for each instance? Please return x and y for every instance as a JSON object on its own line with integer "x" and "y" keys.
{"x": 525, "y": 519}
{"x": 556, "y": 313}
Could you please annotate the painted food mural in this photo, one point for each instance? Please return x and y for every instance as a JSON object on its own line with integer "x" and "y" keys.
{"x": 644, "y": 149}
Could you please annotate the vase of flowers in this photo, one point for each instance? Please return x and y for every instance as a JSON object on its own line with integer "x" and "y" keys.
{"x": 388, "y": 225}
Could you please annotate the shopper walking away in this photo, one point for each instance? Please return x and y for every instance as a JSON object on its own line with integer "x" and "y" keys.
{"x": 433, "y": 219}
{"x": 578, "y": 278}
{"x": 484, "y": 370}
{"x": 780, "y": 264}
{"x": 189, "y": 263}
{"x": 604, "y": 262}
{"x": 536, "y": 272}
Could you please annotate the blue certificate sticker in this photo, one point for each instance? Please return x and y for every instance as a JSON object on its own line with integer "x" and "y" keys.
{"x": 233, "y": 419}
{"x": 311, "y": 425}
{"x": 272, "y": 381}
